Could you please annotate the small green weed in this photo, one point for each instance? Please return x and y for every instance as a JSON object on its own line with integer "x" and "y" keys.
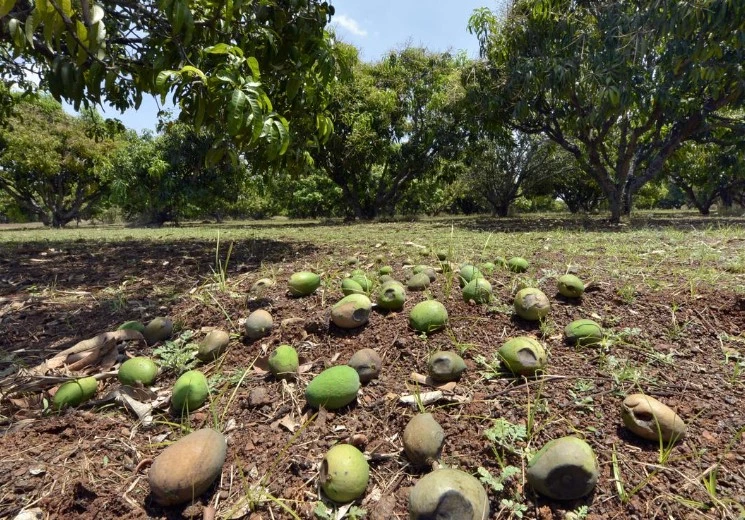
{"x": 548, "y": 328}
{"x": 506, "y": 437}
{"x": 497, "y": 483}
{"x": 583, "y": 403}
{"x": 627, "y": 293}
{"x": 459, "y": 345}
{"x": 220, "y": 271}
{"x": 178, "y": 355}
{"x": 492, "y": 369}
{"x": 324, "y": 512}
{"x": 514, "y": 508}
{"x": 675, "y": 330}
{"x": 514, "y": 505}
{"x": 578, "y": 514}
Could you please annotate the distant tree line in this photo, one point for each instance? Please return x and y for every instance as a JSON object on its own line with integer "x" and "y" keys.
{"x": 585, "y": 107}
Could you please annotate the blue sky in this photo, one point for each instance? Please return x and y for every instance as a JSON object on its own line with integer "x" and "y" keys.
{"x": 374, "y": 27}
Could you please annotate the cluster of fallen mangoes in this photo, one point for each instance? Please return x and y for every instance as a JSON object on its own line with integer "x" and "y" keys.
{"x": 564, "y": 469}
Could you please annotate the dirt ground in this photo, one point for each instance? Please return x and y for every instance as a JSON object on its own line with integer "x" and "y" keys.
{"x": 679, "y": 345}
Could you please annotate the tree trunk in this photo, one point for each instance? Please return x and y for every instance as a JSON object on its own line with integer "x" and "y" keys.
{"x": 615, "y": 203}
{"x": 727, "y": 197}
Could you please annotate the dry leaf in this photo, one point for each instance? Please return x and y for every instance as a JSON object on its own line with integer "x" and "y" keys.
{"x": 90, "y": 353}
{"x": 288, "y": 422}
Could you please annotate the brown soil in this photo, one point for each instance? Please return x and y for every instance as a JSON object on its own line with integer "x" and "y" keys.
{"x": 85, "y": 463}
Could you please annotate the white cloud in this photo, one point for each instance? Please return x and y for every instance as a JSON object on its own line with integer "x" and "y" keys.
{"x": 350, "y": 24}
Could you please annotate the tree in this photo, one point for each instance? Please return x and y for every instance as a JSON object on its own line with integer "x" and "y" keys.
{"x": 620, "y": 85}
{"x": 49, "y": 165}
{"x": 166, "y": 178}
{"x": 707, "y": 172}
{"x": 502, "y": 170}
{"x": 238, "y": 68}
{"x": 575, "y": 188}
{"x": 392, "y": 126}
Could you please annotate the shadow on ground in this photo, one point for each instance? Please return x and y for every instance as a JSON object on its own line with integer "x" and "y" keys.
{"x": 53, "y": 294}
{"x": 86, "y": 265}
{"x": 591, "y": 223}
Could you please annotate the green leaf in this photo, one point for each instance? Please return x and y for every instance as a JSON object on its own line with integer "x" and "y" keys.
{"x": 293, "y": 85}
{"x": 236, "y": 109}
{"x": 31, "y": 23}
{"x": 224, "y": 48}
{"x": 161, "y": 81}
{"x": 201, "y": 111}
{"x": 284, "y": 136}
{"x": 178, "y": 17}
{"x": 215, "y": 154}
{"x": 18, "y": 34}
{"x": 6, "y": 6}
{"x": 253, "y": 64}
{"x": 66, "y": 8}
{"x": 191, "y": 70}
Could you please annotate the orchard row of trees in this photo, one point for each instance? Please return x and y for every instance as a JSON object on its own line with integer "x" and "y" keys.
{"x": 599, "y": 104}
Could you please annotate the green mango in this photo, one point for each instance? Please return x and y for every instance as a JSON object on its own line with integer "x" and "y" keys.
{"x": 138, "y": 370}
{"x": 391, "y": 296}
{"x": 468, "y": 272}
{"x": 564, "y": 469}
{"x": 523, "y": 356}
{"x": 351, "y": 311}
{"x": 449, "y": 494}
{"x": 478, "y": 290}
{"x": 428, "y": 316}
{"x": 333, "y": 388}
{"x": 570, "y": 286}
{"x": 531, "y": 304}
{"x": 73, "y": 393}
{"x": 445, "y": 366}
{"x": 284, "y": 362}
{"x": 517, "y": 264}
{"x": 344, "y": 473}
{"x": 583, "y": 332}
{"x": 132, "y": 325}
{"x": 303, "y": 283}
{"x": 158, "y": 329}
{"x": 349, "y": 286}
{"x": 189, "y": 392}
{"x": 418, "y": 282}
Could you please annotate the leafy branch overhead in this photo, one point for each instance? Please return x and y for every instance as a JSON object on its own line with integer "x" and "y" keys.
{"x": 240, "y": 69}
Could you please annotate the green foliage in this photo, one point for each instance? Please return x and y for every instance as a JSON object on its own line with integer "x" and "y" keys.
{"x": 502, "y": 170}
{"x": 575, "y": 188}
{"x": 166, "y": 178}
{"x": 393, "y": 126}
{"x": 313, "y": 195}
{"x": 178, "y": 355}
{"x": 497, "y": 483}
{"x": 238, "y": 69}
{"x": 618, "y": 85}
{"x": 324, "y": 512}
{"x": 50, "y": 166}
{"x": 707, "y": 171}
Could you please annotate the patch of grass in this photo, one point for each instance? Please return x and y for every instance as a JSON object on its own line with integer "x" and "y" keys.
{"x": 220, "y": 271}
{"x": 627, "y": 293}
